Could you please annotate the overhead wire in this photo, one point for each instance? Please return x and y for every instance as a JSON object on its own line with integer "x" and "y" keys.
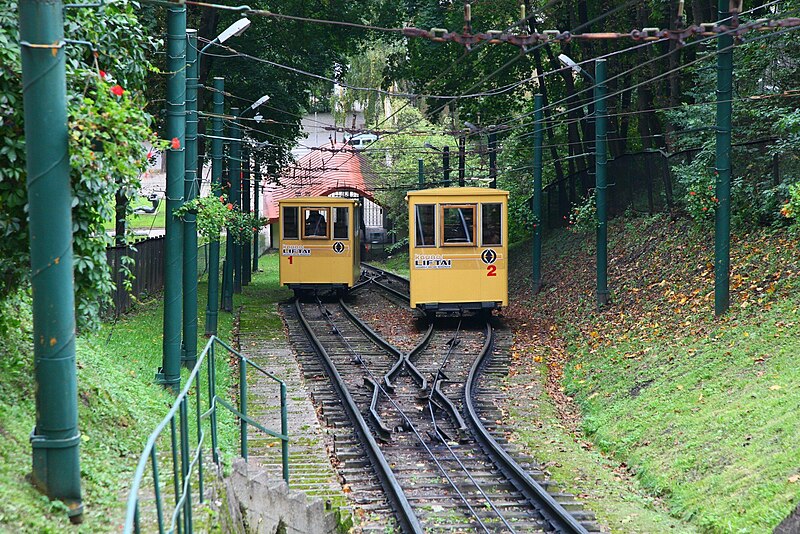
{"x": 521, "y": 82}
{"x": 638, "y": 66}
{"x": 516, "y": 58}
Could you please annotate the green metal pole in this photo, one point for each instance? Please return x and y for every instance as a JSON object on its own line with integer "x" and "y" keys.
{"x": 243, "y": 405}
{"x": 421, "y": 173}
{"x": 285, "y": 432}
{"x": 236, "y": 196}
{"x": 246, "y": 209}
{"x": 446, "y": 165}
{"x": 601, "y": 120}
{"x": 722, "y": 235}
{"x": 538, "y": 104}
{"x": 216, "y": 190}
{"x": 227, "y": 264}
{"x": 492, "y": 158}
{"x": 256, "y": 186}
{"x": 190, "y": 191}
{"x": 212, "y": 399}
{"x": 55, "y": 438}
{"x": 462, "y": 160}
{"x": 170, "y": 372}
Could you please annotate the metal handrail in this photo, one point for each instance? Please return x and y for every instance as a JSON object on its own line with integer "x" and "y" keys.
{"x": 182, "y": 513}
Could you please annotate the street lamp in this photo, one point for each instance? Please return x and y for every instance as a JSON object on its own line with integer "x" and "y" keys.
{"x": 259, "y": 118}
{"x": 234, "y": 30}
{"x": 568, "y": 62}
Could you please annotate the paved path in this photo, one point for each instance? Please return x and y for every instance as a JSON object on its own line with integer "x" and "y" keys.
{"x": 309, "y": 463}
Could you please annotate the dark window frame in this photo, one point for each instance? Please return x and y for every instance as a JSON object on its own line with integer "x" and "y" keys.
{"x": 327, "y": 211}
{"x": 297, "y": 223}
{"x": 417, "y": 226}
{"x": 347, "y": 221}
{"x": 500, "y": 233}
{"x": 443, "y": 241}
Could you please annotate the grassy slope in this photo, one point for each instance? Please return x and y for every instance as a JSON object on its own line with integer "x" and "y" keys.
{"x": 700, "y": 410}
{"x": 119, "y": 407}
{"x": 397, "y": 263}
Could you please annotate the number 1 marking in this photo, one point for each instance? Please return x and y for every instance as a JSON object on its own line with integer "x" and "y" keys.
{"x": 290, "y": 260}
{"x": 491, "y": 270}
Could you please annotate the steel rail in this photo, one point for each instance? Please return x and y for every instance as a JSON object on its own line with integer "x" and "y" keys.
{"x": 397, "y": 497}
{"x": 435, "y": 390}
{"x": 552, "y": 511}
{"x": 410, "y": 425}
{"x": 406, "y": 363}
{"x": 403, "y": 361}
{"x": 387, "y": 274}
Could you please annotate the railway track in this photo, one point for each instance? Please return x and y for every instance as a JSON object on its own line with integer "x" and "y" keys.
{"x": 393, "y": 283}
{"x": 419, "y": 419}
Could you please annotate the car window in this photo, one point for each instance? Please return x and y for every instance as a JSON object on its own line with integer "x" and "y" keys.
{"x": 491, "y": 228}
{"x": 458, "y": 225}
{"x": 341, "y": 220}
{"x": 291, "y": 229}
{"x": 315, "y": 223}
{"x": 425, "y": 224}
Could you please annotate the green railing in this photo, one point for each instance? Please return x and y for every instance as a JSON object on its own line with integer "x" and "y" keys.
{"x": 183, "y": 461}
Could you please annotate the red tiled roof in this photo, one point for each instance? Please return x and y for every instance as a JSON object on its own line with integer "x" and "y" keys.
{"x": 318, "y": 174}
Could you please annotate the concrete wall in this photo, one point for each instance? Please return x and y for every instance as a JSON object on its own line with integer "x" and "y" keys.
{"x": 258, "y": 505}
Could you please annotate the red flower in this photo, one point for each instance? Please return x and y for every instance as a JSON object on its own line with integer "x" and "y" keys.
{"x": 117, "y": 90}
{"x": 230, "y": 206}
{"x": 692, "y": 193}
{"x": 222, "y": 198}
{"x": 255, "y": 229}
{"x": 176, "y": 143}
{"x": 103, "y": 74}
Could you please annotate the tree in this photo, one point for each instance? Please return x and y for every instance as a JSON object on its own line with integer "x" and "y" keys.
{"x": 102, "y": 113}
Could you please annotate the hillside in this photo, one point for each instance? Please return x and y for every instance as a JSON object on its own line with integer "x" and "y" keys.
{"x": 698, "y": 413}
{"x": 119, "y": 406}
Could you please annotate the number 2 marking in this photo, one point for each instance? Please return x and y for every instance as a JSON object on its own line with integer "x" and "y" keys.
{"x": 290, "y": 260}
{"x": 491, "y": 270}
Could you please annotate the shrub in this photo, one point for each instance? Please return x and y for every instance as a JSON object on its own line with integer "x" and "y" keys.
{"x": 583, "y": 216}
{"x": 791, "y": 209}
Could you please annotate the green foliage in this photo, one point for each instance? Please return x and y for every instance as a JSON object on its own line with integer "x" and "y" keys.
{"x": 241, "y": 225}
{"x": 216, "y": 213}
{"x": 212, "y": 214}
{"x": 319, "y": 48}
{"x": 791, "y": 209}
{"x": 118, "y": 123}
{"x": 16, "y": 328}
{"x": 399, "y": 245}
{"x": 96, "y": 116}
{"x": 697, "y": 183}
{"x": 395, "y": 160}
{"x": 516, "y": 176}
{"x": 583, "y": 216}
{"x": 366, "y": 69}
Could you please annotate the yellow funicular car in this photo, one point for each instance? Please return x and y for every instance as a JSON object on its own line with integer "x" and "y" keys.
{"x": 319, "y": 243}
{"x": 458, "y": 248}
